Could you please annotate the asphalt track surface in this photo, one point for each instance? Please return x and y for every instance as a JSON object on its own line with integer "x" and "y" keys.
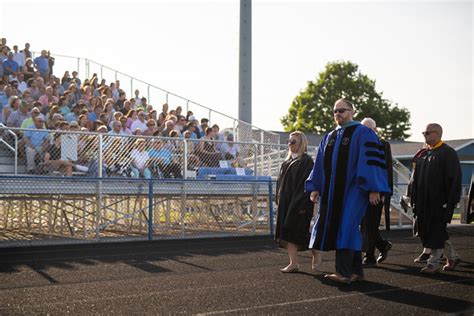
{"x": 225, "y": 276}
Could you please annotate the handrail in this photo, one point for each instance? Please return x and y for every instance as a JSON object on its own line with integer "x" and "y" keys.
{"x": 15, "y": 150}
{"x": 3, "y": 127}
{"x": 167, "y": 92}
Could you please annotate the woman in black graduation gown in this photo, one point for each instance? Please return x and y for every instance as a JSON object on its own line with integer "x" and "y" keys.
{"x": 295, "y": 209}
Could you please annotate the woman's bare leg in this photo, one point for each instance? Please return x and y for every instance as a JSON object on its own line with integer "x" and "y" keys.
{"x": 293, "y": 255}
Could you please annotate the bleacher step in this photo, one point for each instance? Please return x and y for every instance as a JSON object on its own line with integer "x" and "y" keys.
{"x": 10, "y": 169}
{"x": 7, "y": 160}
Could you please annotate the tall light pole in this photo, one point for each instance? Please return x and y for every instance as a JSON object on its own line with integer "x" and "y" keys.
{"x": 245, "y": 63}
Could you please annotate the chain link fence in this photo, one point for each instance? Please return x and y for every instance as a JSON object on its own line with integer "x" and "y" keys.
{"x": 72, "y": 153}
{"x": 68, "y": 186}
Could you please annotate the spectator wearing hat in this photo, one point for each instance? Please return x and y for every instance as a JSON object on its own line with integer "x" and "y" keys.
{"x": 26, "y": 96}
{"x": 74, "y": 126}
{"x": 63, "y": 126}
{"x": 30, "y": 120}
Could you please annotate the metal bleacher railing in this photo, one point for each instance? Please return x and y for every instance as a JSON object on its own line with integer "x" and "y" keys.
{"x": 157, "y": 96}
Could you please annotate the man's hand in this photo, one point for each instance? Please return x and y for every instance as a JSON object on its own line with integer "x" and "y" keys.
{"x": 374, "y": 198}
{"x": 314, "y": 196}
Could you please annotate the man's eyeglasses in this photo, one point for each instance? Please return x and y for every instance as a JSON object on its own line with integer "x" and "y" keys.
{"x": 292, "y": 142}
{"x": 341, "y": 110}
{"x": 427, "y": 132}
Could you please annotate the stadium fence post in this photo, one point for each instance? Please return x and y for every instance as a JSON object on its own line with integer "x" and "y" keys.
{"x": 150, "y": 209}
{"x": 270, "y": 198}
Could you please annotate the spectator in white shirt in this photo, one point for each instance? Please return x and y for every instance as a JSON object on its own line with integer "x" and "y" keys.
{"x": 22, "y": 85}
{"x": 18, "y": 57}
{"x": 140, "y": 160}
{"x": 140, "y": 122}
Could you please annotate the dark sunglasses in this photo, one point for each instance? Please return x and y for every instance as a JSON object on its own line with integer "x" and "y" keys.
{"x": 428, "y": 132}
{"x": 292, "y": 142}
{"x": 341, "y": 110}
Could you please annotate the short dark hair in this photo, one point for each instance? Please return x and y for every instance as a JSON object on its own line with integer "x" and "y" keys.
{"x": 346, "y": 102}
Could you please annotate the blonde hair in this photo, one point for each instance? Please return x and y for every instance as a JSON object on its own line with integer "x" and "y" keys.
{"x": 303, "y": 148}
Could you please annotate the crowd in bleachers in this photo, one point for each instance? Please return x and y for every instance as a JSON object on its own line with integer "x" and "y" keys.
{"x": 33, "y": 97}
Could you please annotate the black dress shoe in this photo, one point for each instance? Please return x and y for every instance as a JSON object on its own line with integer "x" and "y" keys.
{"x": 369, "y": 261}
{"x": 336, "y": 277}
{"x": 383, "y": 254}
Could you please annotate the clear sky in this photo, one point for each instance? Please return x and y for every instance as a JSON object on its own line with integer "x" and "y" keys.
{"x": 419, "y": 53}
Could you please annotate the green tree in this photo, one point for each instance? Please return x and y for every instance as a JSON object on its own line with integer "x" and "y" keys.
{"x": 311, "y": 110}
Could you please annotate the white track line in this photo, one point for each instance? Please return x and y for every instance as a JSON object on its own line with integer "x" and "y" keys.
{"x": 251, "y": 308}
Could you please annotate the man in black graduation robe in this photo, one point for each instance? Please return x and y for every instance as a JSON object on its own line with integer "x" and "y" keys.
{"x": 436, "y": 189}
{"x": 370, "y": 225}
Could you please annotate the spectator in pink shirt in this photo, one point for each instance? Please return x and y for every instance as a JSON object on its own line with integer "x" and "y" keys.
{"x": 48, "y": 97}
